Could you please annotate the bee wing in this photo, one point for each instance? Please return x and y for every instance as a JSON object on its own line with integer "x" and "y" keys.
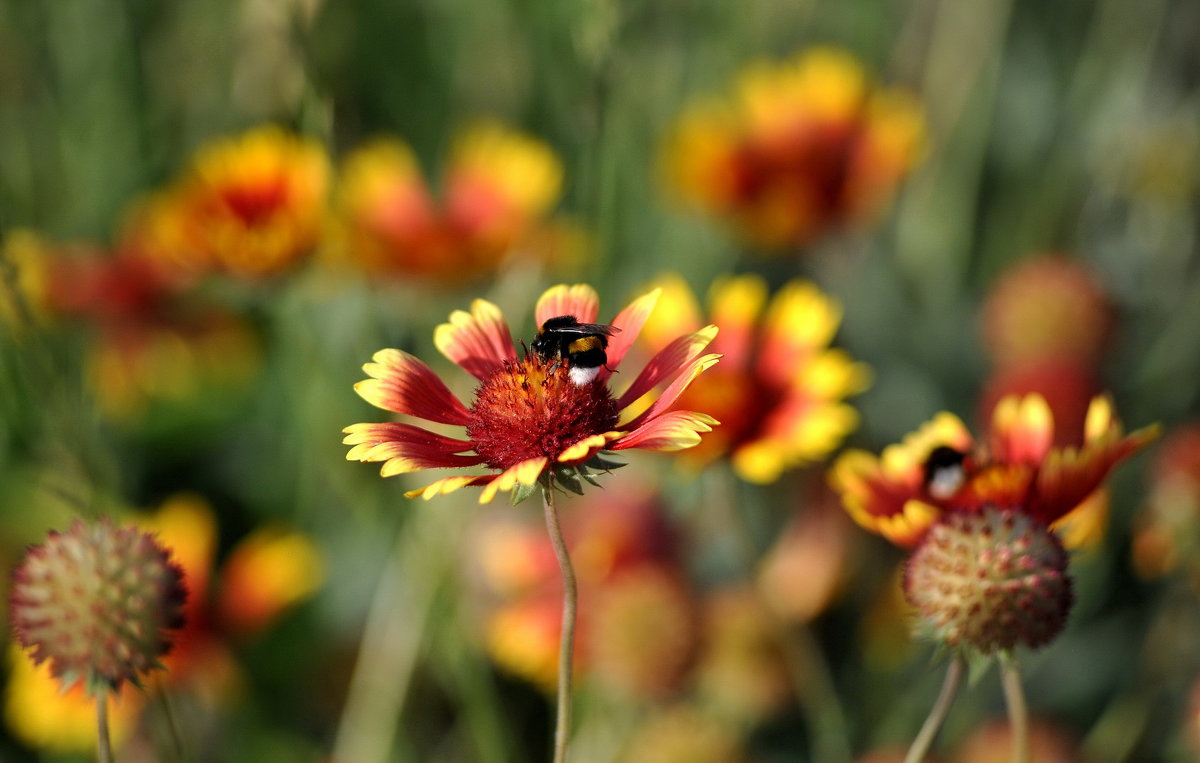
{"x": 592, "y": 328}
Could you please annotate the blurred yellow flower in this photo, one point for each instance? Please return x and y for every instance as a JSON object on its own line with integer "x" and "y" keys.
{"x": 801, "y": 147}
{"x": 44, "y": 717}
{"x": 497, "y": 187}
{"x": 779, "y": 389}
{"x": 24, "y": 258}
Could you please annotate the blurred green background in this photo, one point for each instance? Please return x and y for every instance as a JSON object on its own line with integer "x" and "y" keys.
{"x": 1051, "y": 127}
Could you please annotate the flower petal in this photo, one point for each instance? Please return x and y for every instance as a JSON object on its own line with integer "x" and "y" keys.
{"x": 676, "y": 313}
{"x": 404, "y": 384}
{"x": 736, "y": 303}
{"x": 524, "y": 473}
{"x": 1069, "y": 475}
{"x": 674, "y": 390}
{"x": 630, "y": 321}
{"x": 873, "y": 494}
{"x": 668, "y": 362}
{"x": 406, "y": 448}
{"x": 478, "y": 341}
{"x": 447, "y": 485}
{"x": 579, "y": 300}
{"x": 585, "y": 448}
{"x": 675, "y": 430}
{"x": 800, "y": 321}
{"x": 1022, "y": 430}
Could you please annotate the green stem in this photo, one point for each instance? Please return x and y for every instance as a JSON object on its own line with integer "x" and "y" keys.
{"x": 566, "y": 646}
{"x": 941, "y": 708}
{"x": 1018, "y": 711}
{"x": 816, "y": 694}
{"x": 103, "y": 744}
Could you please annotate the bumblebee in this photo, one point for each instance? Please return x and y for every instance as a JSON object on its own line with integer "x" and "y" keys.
{"x": 580, "y": 346}
{"x": 945, "y": 471}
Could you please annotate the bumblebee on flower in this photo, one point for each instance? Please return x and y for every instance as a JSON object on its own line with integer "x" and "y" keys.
{"x": 988, "y": 503}
{"x": 534, "y": 415}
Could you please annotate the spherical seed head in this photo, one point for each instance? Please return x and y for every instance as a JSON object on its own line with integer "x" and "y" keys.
{"x": 97, "y": 601}
{"x": 531, "y": 408}
{"x": 993, "y": 579}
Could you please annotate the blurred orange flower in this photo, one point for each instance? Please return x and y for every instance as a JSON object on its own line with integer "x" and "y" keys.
{"x": 637, "y": 627}
{"x": 940, "y": 468}
{"x": 251, "y": 205}
{"x": 497, "y": 186}
{"x": 779, "y": 389}
{"x": 802, "y": 146}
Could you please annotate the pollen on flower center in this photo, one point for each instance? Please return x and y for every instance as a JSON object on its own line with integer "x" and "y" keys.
{"x": 531, "y": 408}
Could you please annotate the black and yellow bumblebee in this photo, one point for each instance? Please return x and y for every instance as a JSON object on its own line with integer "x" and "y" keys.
{"x": 578, "y": 346}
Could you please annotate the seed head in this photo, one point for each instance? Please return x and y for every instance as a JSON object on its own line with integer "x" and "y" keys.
{"x": 97, "y": 601}
{"x": 992, "y": 579}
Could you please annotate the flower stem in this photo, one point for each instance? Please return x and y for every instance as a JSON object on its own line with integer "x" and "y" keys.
{"x": 941, "y": 708}
{"x": 103, "y": 745}
{"x": 566, "y": 646}
{"x": 1018, "y": 711}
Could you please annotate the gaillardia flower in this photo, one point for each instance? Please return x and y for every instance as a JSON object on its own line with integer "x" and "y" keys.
{"x": 803, "y": 146}
{"x": 497, "y": 186}
{"x": 940, "y": 468}
{"x": 528, "y": 418}
{"x": 987, "y": 570}
{"x": 780, "y": 388}
{"x": 251, "y": 205}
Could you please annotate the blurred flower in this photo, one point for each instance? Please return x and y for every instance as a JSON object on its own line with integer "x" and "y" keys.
{"x": 250, "y": 205}
{"x": 779, "y": 389}
{"x": 24, "y": 255}
{"x": 804, "y": 569}
{"x": 1047, "y": 308}
{"x": 803, "y": 146}
{"x": 1167, "y": 527}
{"x": 153, "y": 342}
{"x": 683, "y": 734}
{"x": 497, "y": 187}
{"x": 987, "y": 570}
{"x": 992, "y": 743}
{"x": 940, "y": 468}
{"x": 1067, "y": 384}
{"x": 643, "y": 632}
{"x": 270, "y": 570}
{"x": 638, "y": 631}
{"x": 267, "y": 572}
{"x": 47, "y": 717}
{"x": 98, "y": 602}
{"x": 742, "y": 669}
{"x": 529, "y": 418}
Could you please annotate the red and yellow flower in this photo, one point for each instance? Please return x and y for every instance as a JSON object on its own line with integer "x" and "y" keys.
{"x": 251, "y": 205}
{"x": 780, "y": 388}
{"x": 803, "y": 146}
{"x": 940, "y": 468}
{"x": 528, "y": 419}
{"x": 496, "y": 189}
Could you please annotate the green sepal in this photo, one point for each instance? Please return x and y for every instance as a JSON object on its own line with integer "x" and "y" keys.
{"x": 520, "y": 492}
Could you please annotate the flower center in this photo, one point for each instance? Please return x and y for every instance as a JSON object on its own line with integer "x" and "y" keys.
{"x": 531, "y": 408}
